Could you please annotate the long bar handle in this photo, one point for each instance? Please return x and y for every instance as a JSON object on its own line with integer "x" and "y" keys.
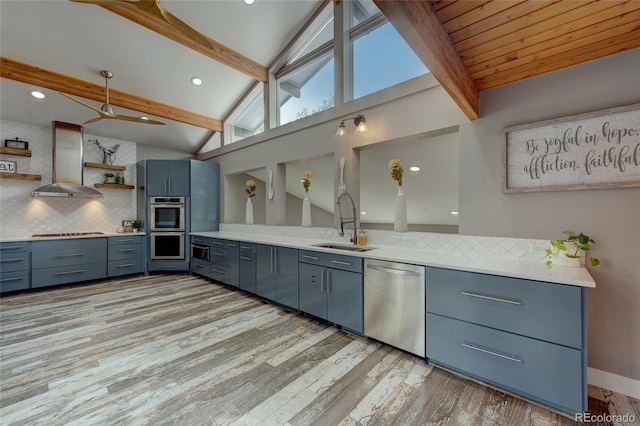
{"x": 217, "y": 271}
{"x": 495, "y": 299}
{"x": 486, "y": 351}
{"x": 321, "y": 280}
{"x": 124, "y": 250}
{"x": 125, "y": 265}
{"x": 11, "y": 260}
{"x": 328, "y": 280}
{"x": 4, "y": 280}
{"x": 79, "y": 271}
{"x": 310, "y": 257}
{"x": 245, "y": 258}
{"x": 340, "y": 262}
{"x": 71, "y": 255}
{"x": 218, "y": 254}
{"x": 394, "y": 270}
{"x": 10, "y": 248}
{"x": 129, "y": 240}
{"x": 275, "y": 260}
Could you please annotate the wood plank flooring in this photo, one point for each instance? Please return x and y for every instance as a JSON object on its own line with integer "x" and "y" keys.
{"x": 181, "y": 350}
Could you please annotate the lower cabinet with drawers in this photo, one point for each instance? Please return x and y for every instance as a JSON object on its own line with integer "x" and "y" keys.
{"x": 14, "y": 266}
{"x": 64, "y": 261}
{"x": 124, "y": 255}
{"x": 527, "y": 337}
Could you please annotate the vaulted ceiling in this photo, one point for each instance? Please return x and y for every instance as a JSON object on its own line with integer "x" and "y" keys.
{"x": 469, "y": 46}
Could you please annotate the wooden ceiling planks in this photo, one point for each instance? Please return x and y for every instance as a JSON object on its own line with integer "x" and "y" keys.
{"x": 501, "y": 42}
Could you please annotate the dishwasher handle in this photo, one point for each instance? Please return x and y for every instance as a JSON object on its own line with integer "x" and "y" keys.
{"x": 394, "y": 270}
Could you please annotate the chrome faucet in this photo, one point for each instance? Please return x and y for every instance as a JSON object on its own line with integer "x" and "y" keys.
{"x": 353, "y": 219}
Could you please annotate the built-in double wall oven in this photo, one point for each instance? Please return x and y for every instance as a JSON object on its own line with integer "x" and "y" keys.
{"x": 166, "y": 227}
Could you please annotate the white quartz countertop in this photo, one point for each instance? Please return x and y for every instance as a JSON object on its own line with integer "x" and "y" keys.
{"x": 525, "y": 269}
{"x": 68, "y": 237}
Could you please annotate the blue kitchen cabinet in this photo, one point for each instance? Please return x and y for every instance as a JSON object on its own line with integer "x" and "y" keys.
{"x": 247, "y": 272}
{"x": 331, "y": 288}
{"x": 277, "y": 274}
{"x": 521, "y": 335}
{"x": 204, "y": 196}
{"x": 14, "y": 266}
{"x": 234, "y": 263}
{"x": 167, "y": 178}
{"x": 125, "y": 255}
{"x": 65, "y": 261}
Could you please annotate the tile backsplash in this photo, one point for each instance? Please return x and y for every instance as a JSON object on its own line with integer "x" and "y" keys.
{"x": 500, "y": 247}
{"x": 22, "y": 215}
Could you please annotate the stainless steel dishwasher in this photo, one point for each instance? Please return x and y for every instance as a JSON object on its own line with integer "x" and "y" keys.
{"x": 394, "y": 304}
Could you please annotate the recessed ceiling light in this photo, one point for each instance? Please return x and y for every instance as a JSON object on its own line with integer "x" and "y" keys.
{"x": 144, "y": 118}
{"x": 455, "y": 213}
{"x": 414, "y": 168}
{"x": 249, "y": 1}
{"x": 196, "y": 81}
{"x": 37, "y": 95}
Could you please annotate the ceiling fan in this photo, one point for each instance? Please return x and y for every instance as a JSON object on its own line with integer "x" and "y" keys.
{"x": 106, "y": 111}
{"x": 153, "y": 7}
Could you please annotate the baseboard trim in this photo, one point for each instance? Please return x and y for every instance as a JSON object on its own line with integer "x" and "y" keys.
{"x": 614, "y": 382}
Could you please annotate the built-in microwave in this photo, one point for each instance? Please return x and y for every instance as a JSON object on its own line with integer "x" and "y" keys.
{"x": 167, "y": 245}
{"x": 166, "y": 214}
{"x": 199, "y": 251}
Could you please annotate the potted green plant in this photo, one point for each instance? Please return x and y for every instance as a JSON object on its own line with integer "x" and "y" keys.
{"x": 109, "y": 177}
{"x": 571, "y": 250}
{"x": 136, "y": 225}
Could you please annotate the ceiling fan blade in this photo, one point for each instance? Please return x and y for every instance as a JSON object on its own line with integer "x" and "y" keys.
{"x": 83, "y": 103}
{"x": 136, "y": 119}
{"x": 94, "y": 119}
{"x": 183, "y": 27}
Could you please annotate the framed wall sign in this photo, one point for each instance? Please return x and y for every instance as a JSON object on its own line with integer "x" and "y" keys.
{"x": 16, "y": 143}
{"x": 7, "y": 166}
{"x": 587, "y": 151}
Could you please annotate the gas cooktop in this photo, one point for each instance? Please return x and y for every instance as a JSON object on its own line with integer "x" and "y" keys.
{"x": 66, "y": 234}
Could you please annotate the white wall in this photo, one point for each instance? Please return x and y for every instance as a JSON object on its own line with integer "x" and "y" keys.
{"x": 610, "y": 216}
{"x": 146, "y": 152}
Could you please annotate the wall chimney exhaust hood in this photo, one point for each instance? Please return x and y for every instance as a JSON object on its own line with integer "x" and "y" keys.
{"x": 67, "y": 165}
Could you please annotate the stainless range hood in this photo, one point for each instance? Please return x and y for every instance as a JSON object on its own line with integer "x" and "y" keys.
{"x": 67, "y": 165}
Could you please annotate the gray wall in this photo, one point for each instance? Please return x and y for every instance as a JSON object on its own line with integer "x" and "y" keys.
{"x": 610, "y": 216}
{"x": 146, "y": 152}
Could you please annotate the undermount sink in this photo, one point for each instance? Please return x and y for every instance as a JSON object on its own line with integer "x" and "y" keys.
{"x": 347, "y": 247}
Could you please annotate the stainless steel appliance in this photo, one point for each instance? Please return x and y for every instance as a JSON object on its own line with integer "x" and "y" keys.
{"x": 167, "y": 245}
{"x": 166, "y": 214}
{"x": 394, "y": 304}
{"x": 199, "y": 251}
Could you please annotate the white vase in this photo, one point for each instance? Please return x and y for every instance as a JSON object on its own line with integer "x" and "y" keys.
{"x": 306, "y": 210}
{"x": 249, "y": 212}
{"x": 400, "y": 214}
{"x": 561, "y": 259}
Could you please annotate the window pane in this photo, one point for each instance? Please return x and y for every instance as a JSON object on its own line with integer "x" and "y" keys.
{"x": 251, "y": 120}
{"x": 363, "y": 10}
{"x": 307, "y": 90}
{"x": 324, "y": 34}
{"x": 381, "y": 59}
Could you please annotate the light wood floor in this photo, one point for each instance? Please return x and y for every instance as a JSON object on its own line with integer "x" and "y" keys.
{"x": 180, "y": 350}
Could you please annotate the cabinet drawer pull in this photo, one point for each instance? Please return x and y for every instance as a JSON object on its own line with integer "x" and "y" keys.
{"x": 124, "y": 250}
{"x": 4, "y": 280}
{"x": 340, "y": 262}
{"x": 70, "y": 255}
{"x": 79, "y": 271}
{"x": 198, "y": 265}
{"x": 217, "y": 271}
{"x": 218, "y": 254}
{"x": 486, "y": 351}
{"x": 11, "y": 260}
{"x": 215, "y": 243}
{"x": 127, "y": 240}
{"x": 167, "y": 267}
{"x": 196, "y": 240}
{"x": 245, "y": 248}
{"x": 233, "y": 245}
{"x": 126, "y": 265}
{"x": 13, "y": 248}
{"x": 245, "y": 258}
{"x": 310, "y": 257}
{"x": 495, "y": 299}
{"x": 321, "y": 280}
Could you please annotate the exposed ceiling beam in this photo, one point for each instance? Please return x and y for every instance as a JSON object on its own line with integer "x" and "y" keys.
{"x": 418, "y": 24}
{"x": 30, "y": 74}
{"x": 216, "y": 51}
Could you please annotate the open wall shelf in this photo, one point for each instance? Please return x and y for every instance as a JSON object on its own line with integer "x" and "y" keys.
{"x": 15, "y": 151}
{"x": 20, "y": 176}
{"x": 114, "y": 186}
{"x": 105, "y": 166}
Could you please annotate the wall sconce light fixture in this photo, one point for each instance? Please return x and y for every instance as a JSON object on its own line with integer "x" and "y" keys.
{"x": 359, "y": 121}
